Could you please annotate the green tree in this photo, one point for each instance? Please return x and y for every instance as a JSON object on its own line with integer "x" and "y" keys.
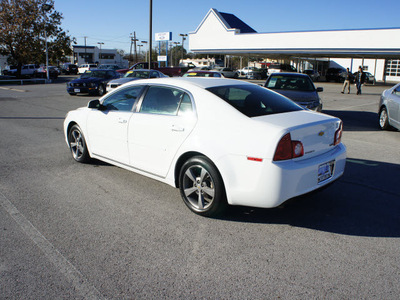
{"x": 24, "y": 25}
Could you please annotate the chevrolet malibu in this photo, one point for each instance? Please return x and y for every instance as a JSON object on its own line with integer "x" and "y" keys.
{"x": 219, "y": 141}
{"x": 389, "y": 108}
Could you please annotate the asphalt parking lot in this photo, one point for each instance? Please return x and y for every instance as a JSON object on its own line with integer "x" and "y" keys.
{"x": 95, "y": 231}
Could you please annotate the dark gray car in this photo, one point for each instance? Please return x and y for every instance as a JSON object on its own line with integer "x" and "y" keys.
{"x": 297, "y": 87}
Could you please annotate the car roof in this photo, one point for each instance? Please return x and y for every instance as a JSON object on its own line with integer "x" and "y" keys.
{"x": 202, "y": 82}
{"x": 133, "y": 70}
{"x": 289, "y": 74}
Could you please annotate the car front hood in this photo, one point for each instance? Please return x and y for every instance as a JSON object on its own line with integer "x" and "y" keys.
{"x": 87, "y": 80}
{"x": 299, "y": 96}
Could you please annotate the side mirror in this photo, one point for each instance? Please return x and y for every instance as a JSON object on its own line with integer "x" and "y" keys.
{"x": 320, "y": 89}
{"x": 95, "y": 104}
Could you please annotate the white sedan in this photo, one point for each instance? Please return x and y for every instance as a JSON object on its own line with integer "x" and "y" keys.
{"x": 220, "y": 141}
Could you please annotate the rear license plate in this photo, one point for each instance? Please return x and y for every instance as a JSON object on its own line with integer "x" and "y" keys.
{"x": 77, "y": 90}
{"x": 325, "y": 171}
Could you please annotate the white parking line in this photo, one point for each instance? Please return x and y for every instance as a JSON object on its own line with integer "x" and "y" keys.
{"x": 15, "y": 90}
{"x": 82, "y": 286}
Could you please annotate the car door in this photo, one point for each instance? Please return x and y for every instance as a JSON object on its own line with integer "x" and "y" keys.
{"x": 164, "y": 120}
{"x": 394, "y": 107}
{"x": 108, "y": 126}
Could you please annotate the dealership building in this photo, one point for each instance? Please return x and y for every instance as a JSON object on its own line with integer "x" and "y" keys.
{"x": 376, "y": 50}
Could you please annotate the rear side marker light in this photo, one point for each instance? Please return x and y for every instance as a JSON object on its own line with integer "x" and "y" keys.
{"x": 288, "y": 149}
{"x": 254, "y": 159}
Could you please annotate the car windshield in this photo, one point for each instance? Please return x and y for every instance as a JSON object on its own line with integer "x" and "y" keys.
{"x": 290, "y": 82}
{"x": 253, "y": 100}
{"x": 138, "y": 74}
{"x": 96, "y": 74}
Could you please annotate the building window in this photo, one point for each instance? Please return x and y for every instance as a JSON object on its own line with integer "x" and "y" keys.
{"x": 107, "y": 56}
{"x": 393, "y": 67}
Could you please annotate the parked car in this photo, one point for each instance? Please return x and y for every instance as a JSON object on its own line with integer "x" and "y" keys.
{"x": 27, "y": 71}
{"x": 170, "y": 71}
{"x": 109, "y": 67}
{"x": 91, "y": 82}
{"x": 369, "y": 78}
{"x": 42, "y": 72}
{"x": 134, "y": 75}
{"x": 10, "y": 70}
{"x": 69, "y": 69}
{"x": 335, "y": 74}
{"x": 227, "y": 72}
{"x": 86, "y": 67}
{"x": 201, "y": 73}
{"x": 204, "y": 68}
{"x": 314, "y": 75}
{"x": 278, "y": 68}
{"x": 297, "y": 87}
{"x": 245, "y": 70}
{"x": 389, "y": 108}
{"x": 220, "y": 141}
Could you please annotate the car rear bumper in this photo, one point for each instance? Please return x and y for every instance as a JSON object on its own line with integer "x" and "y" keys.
{"x": 268, "y": 184}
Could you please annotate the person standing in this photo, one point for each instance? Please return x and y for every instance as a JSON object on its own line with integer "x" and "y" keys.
{"x": 347, "y": 78}
{"x": 360, "y": 78}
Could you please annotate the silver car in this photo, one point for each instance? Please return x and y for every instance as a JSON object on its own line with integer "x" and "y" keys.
{"x": 389, "y": 108}
{"x": 134, "y": 75}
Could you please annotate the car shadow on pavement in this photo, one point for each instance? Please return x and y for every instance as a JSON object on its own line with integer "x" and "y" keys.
{"x": 356, "y": 120}
{"x": 364, "y": 202}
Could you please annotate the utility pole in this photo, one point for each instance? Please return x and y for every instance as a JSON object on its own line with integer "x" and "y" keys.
{"x": 134, "y": 42}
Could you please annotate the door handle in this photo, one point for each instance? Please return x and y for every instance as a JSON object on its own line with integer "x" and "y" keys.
{"x": 177, "y": 128}
{"x": 123, "y": 121}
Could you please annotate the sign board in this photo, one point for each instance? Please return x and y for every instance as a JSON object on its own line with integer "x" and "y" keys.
{"x": 163, "y": 36}
{"x": 162, "y": 58}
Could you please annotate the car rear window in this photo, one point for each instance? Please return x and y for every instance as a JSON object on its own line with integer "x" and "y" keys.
{"x": 254, "y": 100}
{"x": 290, "y": 82}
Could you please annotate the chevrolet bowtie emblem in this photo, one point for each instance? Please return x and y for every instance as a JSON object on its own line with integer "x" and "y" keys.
{"x": 321, "y": 133}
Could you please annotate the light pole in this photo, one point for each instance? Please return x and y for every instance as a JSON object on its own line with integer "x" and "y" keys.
{"x": 150, "y": 30}
{"x": 183, "y": 35}
{"x": 140, "y": 46}
{"x": 145, "y": 42}
{"x": 176, "y": 44}
{"x": 100, "y": 43}
{"x": 46, "y": 8}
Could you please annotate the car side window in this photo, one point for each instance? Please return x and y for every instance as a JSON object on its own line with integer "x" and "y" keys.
{"x": 161, "y": 100}
{"x": 123, "y": 100}
{"x": 185, "y": 107}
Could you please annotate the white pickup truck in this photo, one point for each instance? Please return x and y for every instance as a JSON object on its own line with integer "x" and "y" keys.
{"x": 26, "y": 70}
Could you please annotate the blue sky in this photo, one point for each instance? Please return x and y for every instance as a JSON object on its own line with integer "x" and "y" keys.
{"x": 111, "y": 22}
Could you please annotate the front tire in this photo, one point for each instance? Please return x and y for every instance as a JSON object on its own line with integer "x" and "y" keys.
{"x": 202, "y": 188}
{"x": 101, "y": 90}
{"x": 77, "y": 145}
{"x": 383, "y": 119}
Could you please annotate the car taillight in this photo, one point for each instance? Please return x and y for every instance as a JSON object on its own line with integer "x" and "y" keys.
{"x": 288, "y": 149}
{"x": 338, "y": 134}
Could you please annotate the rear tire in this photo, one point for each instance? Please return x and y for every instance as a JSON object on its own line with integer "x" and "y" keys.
{"x": 383, "y": 119}
{"x": 202, "y": 188}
